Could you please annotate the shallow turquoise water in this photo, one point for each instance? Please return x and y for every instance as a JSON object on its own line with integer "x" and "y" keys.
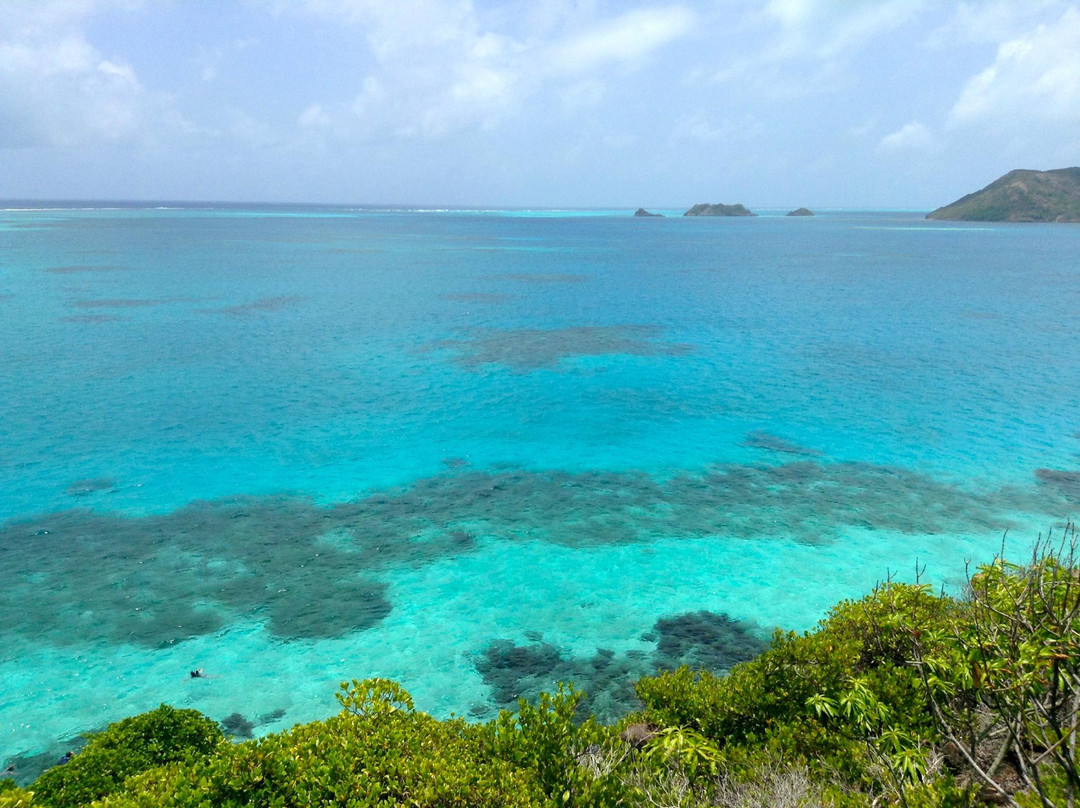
{"x": 291, "y": 446}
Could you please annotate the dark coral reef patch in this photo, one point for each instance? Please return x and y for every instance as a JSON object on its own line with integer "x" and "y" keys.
{"x": 529, "y": 349}
{"x": 90, "y": 486}
{"x": 702, "y": 640}
{"x": 1066, "y": 482}
{"x": 311, "y": 571}
{"x": 261, "y": 306}
{"x": 771, "y": 443}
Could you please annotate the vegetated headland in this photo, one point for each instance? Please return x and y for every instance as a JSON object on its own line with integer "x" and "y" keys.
{"x": 1020, "y": 196}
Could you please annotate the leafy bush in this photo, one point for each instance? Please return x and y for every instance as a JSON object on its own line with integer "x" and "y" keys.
{"x": 815, "y": 697}
{"x": 377, "y": 751}
{"x": 913, "y": 698}
{"x": 1004, "y": 681}
{"x": 126, "y": 748}
{"x": 11, "y": 796}
{"x": 545, "y": 739}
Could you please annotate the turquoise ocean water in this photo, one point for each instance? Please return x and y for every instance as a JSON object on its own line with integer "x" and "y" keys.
{"x": 480, "y": 451}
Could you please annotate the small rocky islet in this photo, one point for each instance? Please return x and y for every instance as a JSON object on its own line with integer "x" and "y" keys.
{"x": 702, "y": 209}
{"x": 718, "y": 209}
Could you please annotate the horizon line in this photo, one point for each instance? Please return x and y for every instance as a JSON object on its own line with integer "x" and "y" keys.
{"x": 11, "y": 204}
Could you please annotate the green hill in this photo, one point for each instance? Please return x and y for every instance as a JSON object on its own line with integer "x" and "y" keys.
{"x": 1021, "y": 196}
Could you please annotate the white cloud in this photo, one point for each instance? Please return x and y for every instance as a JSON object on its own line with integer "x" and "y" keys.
{"x": 397, "y": 28}
{"x": 911, "y": 137}
{"x": 786, "y": 49}
{"x": 34, "y": 18}
{"x": 1035, "y": 79}
{"x": 62, "y": 92}
{"x": 443, "y": 66}
{"x": 58, "y": 90}
{"x": 626, "y": 38}
{"x": 825, "y": 28}
{"x": 435, "y": 70}
{"x": 982, "y": 21}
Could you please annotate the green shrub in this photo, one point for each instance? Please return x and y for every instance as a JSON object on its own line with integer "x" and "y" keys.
{"x": 818, "y": 698}
{"x": 544, "y": 738}
{"x": 689, "y": 751}
{"x": 377, "y": 751}
{"x": 1003, "y": 682}
{"x": 13, "y": 797}
{"x": 941, "y": 792}
{"x": 124, "y": 749}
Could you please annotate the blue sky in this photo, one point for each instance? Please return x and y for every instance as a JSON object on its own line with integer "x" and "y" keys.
{"x": 824, "y": 103}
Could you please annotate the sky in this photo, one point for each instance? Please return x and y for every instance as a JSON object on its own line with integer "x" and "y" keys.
{"x": 535, "y": 103}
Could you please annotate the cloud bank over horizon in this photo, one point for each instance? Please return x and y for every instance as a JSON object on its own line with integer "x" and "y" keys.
{"x": 828, "y": 103}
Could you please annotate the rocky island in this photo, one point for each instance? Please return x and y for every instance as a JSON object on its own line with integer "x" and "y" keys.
{"x": 646, "y": 214}
{"x": 801, "y": 212}
{"x": 1020, "y": 196}
{"x": 705, "y": 209}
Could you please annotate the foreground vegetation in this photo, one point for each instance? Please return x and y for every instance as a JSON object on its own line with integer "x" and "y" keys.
{"x": 905, "y": 698}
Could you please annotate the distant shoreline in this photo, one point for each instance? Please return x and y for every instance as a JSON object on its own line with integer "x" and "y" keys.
{"x": 33, "y": 205}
